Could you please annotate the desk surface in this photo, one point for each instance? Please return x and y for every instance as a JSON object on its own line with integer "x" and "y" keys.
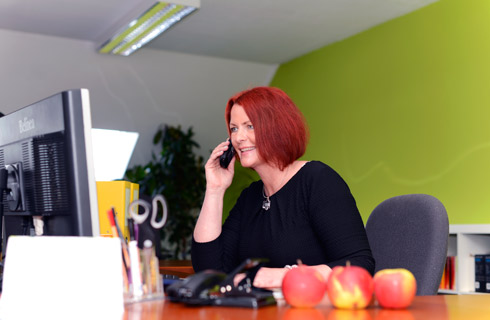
{"x": 427, "y": 307}
{"x": 180, "y": 268}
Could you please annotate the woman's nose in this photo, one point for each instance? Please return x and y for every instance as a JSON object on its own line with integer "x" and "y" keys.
{"x": 240, "y": 135}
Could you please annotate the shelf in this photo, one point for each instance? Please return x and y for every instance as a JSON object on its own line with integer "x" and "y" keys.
{"x": 469, "y": 228}
{"x": 466, "y": 241}
{"x": 445, "y": 291}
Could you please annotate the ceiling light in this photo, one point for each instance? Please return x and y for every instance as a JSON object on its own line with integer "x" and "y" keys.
{"x": 151, "y": 23}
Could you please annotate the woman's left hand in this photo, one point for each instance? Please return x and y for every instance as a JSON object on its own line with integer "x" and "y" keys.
{"x": 270, "y": 278}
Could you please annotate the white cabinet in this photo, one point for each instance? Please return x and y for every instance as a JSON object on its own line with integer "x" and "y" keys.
{"x": 465, "y": 241}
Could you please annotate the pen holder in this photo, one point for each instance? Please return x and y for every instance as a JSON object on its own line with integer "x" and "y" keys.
{"x": 144, "y": 279}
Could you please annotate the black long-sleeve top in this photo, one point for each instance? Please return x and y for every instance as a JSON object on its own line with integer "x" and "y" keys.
{"x": 313, "y": 217}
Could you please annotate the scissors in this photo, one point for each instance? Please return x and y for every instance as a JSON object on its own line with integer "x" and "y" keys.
{"x": 140, "y": 218}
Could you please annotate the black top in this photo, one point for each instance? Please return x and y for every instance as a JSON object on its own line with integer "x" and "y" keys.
{"x": 313, "y": 217}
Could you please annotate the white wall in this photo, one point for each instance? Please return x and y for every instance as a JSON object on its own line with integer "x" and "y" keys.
{"x": 135, "y": 93}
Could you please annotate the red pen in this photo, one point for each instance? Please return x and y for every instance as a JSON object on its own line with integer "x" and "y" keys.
{"x": 112, "y": 223}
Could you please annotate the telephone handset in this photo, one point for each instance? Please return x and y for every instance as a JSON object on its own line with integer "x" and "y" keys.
{"x": 225, "y": 158}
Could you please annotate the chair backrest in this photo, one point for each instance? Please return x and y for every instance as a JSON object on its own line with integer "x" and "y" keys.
{"x": 411, "y": 231}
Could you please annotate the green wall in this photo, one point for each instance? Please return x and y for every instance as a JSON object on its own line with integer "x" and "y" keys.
{"x": 404, "y": 107}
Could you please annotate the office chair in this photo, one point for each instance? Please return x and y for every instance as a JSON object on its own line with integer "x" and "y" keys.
{"x": 411, "y": 231}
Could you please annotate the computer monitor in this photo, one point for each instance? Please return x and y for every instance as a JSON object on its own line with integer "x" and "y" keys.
{"x": 47, "y": 168}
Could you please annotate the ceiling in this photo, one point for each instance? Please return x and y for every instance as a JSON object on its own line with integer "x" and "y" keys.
{"x": 264, "y": 31}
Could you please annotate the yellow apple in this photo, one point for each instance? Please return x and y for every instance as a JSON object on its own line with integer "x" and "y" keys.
{"x": 350, "y": 287}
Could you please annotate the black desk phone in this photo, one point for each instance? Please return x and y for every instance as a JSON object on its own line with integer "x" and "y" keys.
{"x": 212, "y": 287}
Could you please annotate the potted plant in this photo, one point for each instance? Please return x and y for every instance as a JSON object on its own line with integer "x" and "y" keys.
{"x": 177, "y": 173}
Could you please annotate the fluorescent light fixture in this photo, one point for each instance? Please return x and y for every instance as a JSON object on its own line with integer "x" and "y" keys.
{"x": 155, "y": 20}
{"x": 112, "y": 151}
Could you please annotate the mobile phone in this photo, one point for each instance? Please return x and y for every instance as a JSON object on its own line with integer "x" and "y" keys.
{"x": 225, "y": 158}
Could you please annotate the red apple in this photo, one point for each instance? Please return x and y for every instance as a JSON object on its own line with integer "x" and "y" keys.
{"x": 350, "y": 287}
{"x": 303, "y": 287}
{"x": 394, "y": 288}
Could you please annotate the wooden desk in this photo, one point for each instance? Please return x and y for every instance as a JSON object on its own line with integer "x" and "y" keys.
{"x": 440, "y": 307}
{"x": 179, "y": 268}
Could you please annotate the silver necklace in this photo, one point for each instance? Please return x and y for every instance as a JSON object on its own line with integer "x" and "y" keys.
{"x": 266, "y": 204}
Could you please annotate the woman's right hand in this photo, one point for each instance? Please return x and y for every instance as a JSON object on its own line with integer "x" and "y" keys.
{"x": 218, "y": 178}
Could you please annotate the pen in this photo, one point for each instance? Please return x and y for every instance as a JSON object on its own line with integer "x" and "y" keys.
{"x": 115, "y": 235}
{"x": 147, "y": 258}
{"x": 134, "y": 255}
{"x": 114, "y": 218}
{"x": 131, "y": 229}
{"x": 136, "y": 232}
{"x": 112, "y": 223}
{"x": 125, "y": 254}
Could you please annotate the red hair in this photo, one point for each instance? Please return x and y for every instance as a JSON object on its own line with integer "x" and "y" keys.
{"x": 281, "y": 133}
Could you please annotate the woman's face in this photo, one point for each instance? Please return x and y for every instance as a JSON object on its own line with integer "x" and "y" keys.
{"x": 243, "y": 137}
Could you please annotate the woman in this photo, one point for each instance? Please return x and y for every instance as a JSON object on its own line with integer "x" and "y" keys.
{"x": 298, "y": 210}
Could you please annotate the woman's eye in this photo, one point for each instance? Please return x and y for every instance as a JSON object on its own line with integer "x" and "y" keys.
{"x": 250, "y": 126}
{"x": 233, "y": 129}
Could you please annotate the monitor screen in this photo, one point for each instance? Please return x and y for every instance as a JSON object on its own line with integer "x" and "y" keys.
{"x": 47, "y": 168}
{"x": 112, "y": 152}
